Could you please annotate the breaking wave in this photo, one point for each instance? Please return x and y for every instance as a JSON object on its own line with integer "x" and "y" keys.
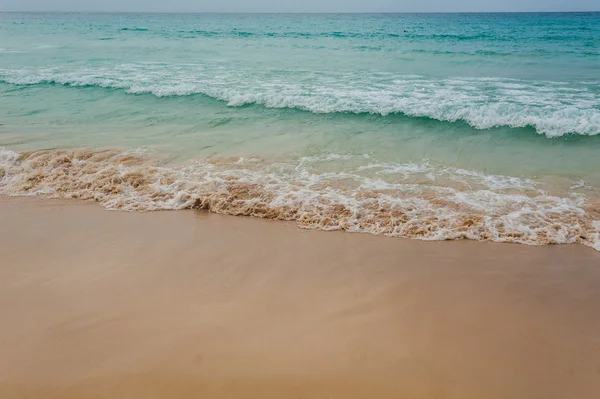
{"x": 551, "y": 108}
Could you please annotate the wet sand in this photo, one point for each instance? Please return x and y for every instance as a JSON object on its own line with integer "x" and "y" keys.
{"x": 98, "y": 304}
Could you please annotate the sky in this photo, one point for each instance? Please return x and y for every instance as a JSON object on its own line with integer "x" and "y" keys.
{"x": 299, "y": 5}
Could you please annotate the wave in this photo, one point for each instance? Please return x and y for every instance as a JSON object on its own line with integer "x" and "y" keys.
{"x": 359, "y": 35}
{"x": 399, "y": 200}
{"x": 396, "y": 34}
{"x": 7, "y": 51}
{"x": 551, "y": 108}
{"x": 134, "y": 29}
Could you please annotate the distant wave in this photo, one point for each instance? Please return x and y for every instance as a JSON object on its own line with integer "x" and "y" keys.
{"x": 369, "y": 35}
{"x": 135, "y": 29}
{"x": 551, "y": 108}
{"x": 400, "y": 34}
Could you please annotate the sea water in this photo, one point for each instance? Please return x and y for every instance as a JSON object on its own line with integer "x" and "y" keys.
{"x": 430, "y": 126}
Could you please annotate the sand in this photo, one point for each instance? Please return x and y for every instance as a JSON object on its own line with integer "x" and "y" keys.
{"x": 98, "y": 304}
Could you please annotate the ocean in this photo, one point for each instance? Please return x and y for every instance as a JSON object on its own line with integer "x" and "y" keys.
{"x": 426, "y": 126}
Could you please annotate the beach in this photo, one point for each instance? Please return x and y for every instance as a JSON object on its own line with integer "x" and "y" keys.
{"x": 295, "y": 206}
{"x": 188, "y": 304}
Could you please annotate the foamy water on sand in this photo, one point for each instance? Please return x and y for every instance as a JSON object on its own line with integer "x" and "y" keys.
{"x": 334, "y": 192}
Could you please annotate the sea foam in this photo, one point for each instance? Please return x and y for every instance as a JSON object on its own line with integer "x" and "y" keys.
{"x": 420, "y": 201}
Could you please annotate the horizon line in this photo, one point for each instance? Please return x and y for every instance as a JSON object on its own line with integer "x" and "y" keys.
{"x": 295, "y": 12}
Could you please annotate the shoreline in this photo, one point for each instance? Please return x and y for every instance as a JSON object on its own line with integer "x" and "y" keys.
{"x": 194, "y": 304}
{"x": 419, "y": 201}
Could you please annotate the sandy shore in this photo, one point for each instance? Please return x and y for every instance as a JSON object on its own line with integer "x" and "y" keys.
{"x": 97, "y": 304}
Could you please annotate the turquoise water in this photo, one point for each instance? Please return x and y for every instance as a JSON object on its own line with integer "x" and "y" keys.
{"x": 481, "y": 126}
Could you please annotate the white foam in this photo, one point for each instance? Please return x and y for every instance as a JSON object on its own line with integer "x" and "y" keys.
{"x": 552, "y": 108}
{"x": 7, "y": 157}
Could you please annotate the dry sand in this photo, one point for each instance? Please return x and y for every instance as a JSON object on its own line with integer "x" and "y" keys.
{"x": 97, "y": 304}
